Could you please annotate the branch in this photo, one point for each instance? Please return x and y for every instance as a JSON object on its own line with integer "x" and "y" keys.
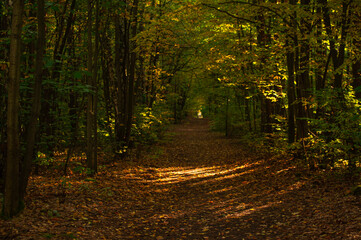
{"x": 230, "y": 14}
{"x": 261, "y": 6}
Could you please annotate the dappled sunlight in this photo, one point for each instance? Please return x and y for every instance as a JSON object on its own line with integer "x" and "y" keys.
{"x": 161, "y": 176}
{"x": 233, "y": 175}
{"x": 248, "y": 211}
{"x": 293, "y": 187}
{"x": 189, "y": 170}
{"x": 226, "y": 186}
{"x": 221, "y": 207}
{"x": 174, "y": 214}
{"x": 221, "y": 211}
{"x": 222, "y": 190}
{"x": 225, "y": 201}
{"x": 284, "y": 170}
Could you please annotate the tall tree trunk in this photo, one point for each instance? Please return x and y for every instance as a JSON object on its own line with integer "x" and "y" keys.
{"x": 125, "y": 75}
{"x": 356, "y": 75}
{"x": 291, "y": 95}
{"x": 266, "y": 105}
{"x": 322, "y": 55}
{"x": 12, "y": 202}
{"x": 338, "y": 56}
{"x": 302, "y": 74}
{"x": 303, "y": 88}
{"x": 106, "y": 66}
{"x": 36, "y": 100}
{"x": 49, "y": 104}
{"x": 301, "y": 121}
{"x": 266, "y": 112}
{"x": 122, "y": 36}
{"x": 4, "y": 52}
{"x": 91, "y": 127}
{"x": 356, "y": 66}
{"x": 125, "y": 81}
{"x": 118, "y": 107}
{"x": 248, "y": 114}
{"x": 226, "y": 115}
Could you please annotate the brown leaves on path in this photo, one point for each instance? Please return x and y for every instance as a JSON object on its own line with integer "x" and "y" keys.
{"x": 200, "y": 185}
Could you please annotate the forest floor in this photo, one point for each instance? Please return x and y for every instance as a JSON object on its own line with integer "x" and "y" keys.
{"x": 196, "y": 185}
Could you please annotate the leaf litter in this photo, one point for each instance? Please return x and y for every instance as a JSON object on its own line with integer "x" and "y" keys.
{"x": 199, "y": 185}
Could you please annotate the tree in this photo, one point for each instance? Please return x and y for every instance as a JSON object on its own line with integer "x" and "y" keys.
{"x": 4, "y": 51}
{"x": 92, "y": 67}
{"x": 32, "y": 126}
{"x": 13, "y": 203}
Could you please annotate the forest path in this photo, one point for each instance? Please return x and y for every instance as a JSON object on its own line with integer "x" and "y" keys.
{"x": 198, "y": 185}
{"x": 202, "y": 185}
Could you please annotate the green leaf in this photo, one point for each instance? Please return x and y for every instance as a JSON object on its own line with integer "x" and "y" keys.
{"x": 90, "y": 180}
{"x": 78, "y": 74}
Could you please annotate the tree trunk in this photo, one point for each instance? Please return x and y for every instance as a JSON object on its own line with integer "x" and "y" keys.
{"x": 291, "y": 95}
{"x": 356, "y": 83}
{"x": 13, "y": 204}
{"x": 91, "y": 127}
{"x": 356, "y": 66}
{"x": 36, "y": 101}
{"x": 266, "y": 112}
{"x": 266, "y": 105}
{"x": 338, "y": 56}
{"x": 303, "y": 92}
{"x": 302, "y": 74}
{"x": 118, "y": 73}
{"x": 49, "y": 104}
{"x": 106, "y": 59}
{"x": 131, "y": 76}
{"x": 226, "y": 127}
{"x": 321, "y": 54}
{"x": 4, "y": 52}
{"x": 301, "y": 122}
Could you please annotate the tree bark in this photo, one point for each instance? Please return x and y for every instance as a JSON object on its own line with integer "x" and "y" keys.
{"x": 106, "y": 66}
{"x": 13, "y": 204}
{"x": 91, "y": 128}
{"x": 49, "y": 104}
{"x": 119, "y": 93}
{"x": 131, "y": 77}
{"x": 302, "y": 75}
{"x": 338, "y": 56}
{"x": 4, "y": 74}
{"x": 36, "y": 99}
{"x": 356, "y": 83}
{"x": 291, "y": 95}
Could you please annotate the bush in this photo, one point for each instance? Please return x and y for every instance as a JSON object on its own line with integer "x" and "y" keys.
{"x": 335, "y": 140}
{"x": 149, "y": 124}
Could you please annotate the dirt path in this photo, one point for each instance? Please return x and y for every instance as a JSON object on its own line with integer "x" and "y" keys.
{"x": 200, "y": 185}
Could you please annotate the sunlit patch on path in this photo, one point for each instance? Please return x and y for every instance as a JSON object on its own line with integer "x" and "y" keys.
{"x": 201, "y": 174}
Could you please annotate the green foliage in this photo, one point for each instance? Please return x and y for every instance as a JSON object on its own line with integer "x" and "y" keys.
{"x": 53, "y": 213}
{"x": 65, "y": 183}
{"x": 43, "y": 159}
{"x": 335, "y": 141}
{"x": 80, "y": 169}
{"x": 150, "y": 124}
{"x": 356, "y": 190}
